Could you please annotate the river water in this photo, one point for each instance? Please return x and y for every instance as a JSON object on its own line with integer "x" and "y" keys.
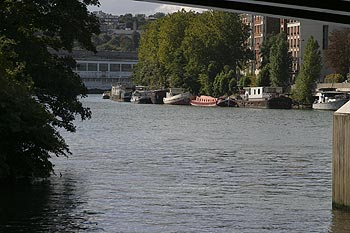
{"x": 158, "y": 168}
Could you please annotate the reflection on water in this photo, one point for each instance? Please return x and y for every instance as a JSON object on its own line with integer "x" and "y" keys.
{"x": 340, "y": 222}
{"x": 48, "y": 206}
{"x": 152, "y": 168}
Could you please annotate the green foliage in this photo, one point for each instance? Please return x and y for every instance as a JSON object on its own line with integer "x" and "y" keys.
{"x": 309, "y": 73}
{"x": 191, "y": 49}
{"x": 263, "y": 79}
{"x": 245, "y": 81}
{"x": 338, "y": 52}
{"x": 265, "y": 49}
{"x": 140, "y": 20}
{"x": 38, "y": 90}
{"x": 280, "y": 62}
{"x": 334, "y": 78}
{"x": 123, "y": 43}
{"x": 225, "y": 83}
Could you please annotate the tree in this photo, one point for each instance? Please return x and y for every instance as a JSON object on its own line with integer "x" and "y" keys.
{"x": 310, "y": 71}
{"x": 170, "y": 53}
{"x": 280, "y": 62}
{"x": 266, "y": 48}
{"x": 38, "y": 89}
{"x": 215, "y": 36}
{"x": 191, "y": 49}
{"x": 263, "y": 78}
{"x": 246, "y": 81}
{"x": 338, "y": 52}
{"x": 149, "y": 71}
{"x": 334, "y": 78}
{"x": 126, "y": 43}
{"x": 225, "y": 83}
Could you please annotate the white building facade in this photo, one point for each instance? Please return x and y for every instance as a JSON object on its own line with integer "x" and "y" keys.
{"x": 103, "y": 70}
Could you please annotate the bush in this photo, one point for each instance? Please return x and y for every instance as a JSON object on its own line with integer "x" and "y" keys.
{"x": 334, "y": 78}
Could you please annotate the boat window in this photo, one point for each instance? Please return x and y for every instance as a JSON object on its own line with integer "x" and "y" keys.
{"x": 258, "y": 91}
{"x": 254, "y": 92}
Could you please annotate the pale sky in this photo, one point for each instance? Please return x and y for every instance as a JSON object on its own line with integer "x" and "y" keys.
{"x": 121, "y": 7}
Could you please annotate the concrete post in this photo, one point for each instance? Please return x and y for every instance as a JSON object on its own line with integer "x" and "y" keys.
{"x": 341, "y": 158}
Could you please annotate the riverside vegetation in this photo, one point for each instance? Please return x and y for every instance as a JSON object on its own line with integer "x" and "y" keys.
{"x": 39, "y": 92}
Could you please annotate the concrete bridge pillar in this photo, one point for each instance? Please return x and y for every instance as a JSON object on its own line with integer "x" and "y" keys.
{"x": 341, "y": 158}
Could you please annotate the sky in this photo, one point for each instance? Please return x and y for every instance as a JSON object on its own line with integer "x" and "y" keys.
{"x": 121, "y": 7}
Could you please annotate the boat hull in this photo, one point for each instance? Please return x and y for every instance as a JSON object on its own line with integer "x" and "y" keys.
{"x": 333, "y": 106}
{"x": 199, "y": 104}
{"x": 142, "y": 100}
{"x": 226, "y": 103}
{"x": 180, "y": 99}
{"x": 281, "y": 102}
{"x": 158, "y": 96}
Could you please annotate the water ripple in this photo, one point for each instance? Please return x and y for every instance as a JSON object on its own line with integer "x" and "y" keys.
{"x": 152, "y": 168}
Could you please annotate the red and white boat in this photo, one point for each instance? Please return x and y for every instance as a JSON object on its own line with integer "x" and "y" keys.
{"x": 205, "y": 101}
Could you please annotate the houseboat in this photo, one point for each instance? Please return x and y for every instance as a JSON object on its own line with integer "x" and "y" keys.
{"x": 330, "y": 99}
{"x": 264, "y": 97}
{"x": 157, "y": 96}
{"x": 226, "y": 102}
{"x": 121, "y": 93}
{"x": 177, "y": 96}
{"x": 141, "y": 97}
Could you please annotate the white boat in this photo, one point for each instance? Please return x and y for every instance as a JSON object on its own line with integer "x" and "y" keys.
{"x": 330, "y": 100}
{"x": 141, "y": 97}
{"x": 106, "y": 95}
{"x": 176, "y": 96}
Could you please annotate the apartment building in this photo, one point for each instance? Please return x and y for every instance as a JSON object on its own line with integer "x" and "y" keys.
{"x": 298, "y": 32}
{"x": 262, "y": 27}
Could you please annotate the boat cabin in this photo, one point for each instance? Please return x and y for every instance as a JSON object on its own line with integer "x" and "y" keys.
{"x": 174, "y": 91}
{"x": 325, "y": 96}
{"x": 259, "y": 93}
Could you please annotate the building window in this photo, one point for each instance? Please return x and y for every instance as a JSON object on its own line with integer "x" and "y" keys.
{"x": 126, "y": 67}
{"x": 81, "y": 66}
{"x": 92, "y": 66}
{"x": 103, "y": 67}
{"x": 325, "y": 37}
{"x": 115, "y": 67}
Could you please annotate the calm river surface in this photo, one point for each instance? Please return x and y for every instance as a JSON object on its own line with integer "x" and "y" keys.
{"x": 157, "y": 168}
